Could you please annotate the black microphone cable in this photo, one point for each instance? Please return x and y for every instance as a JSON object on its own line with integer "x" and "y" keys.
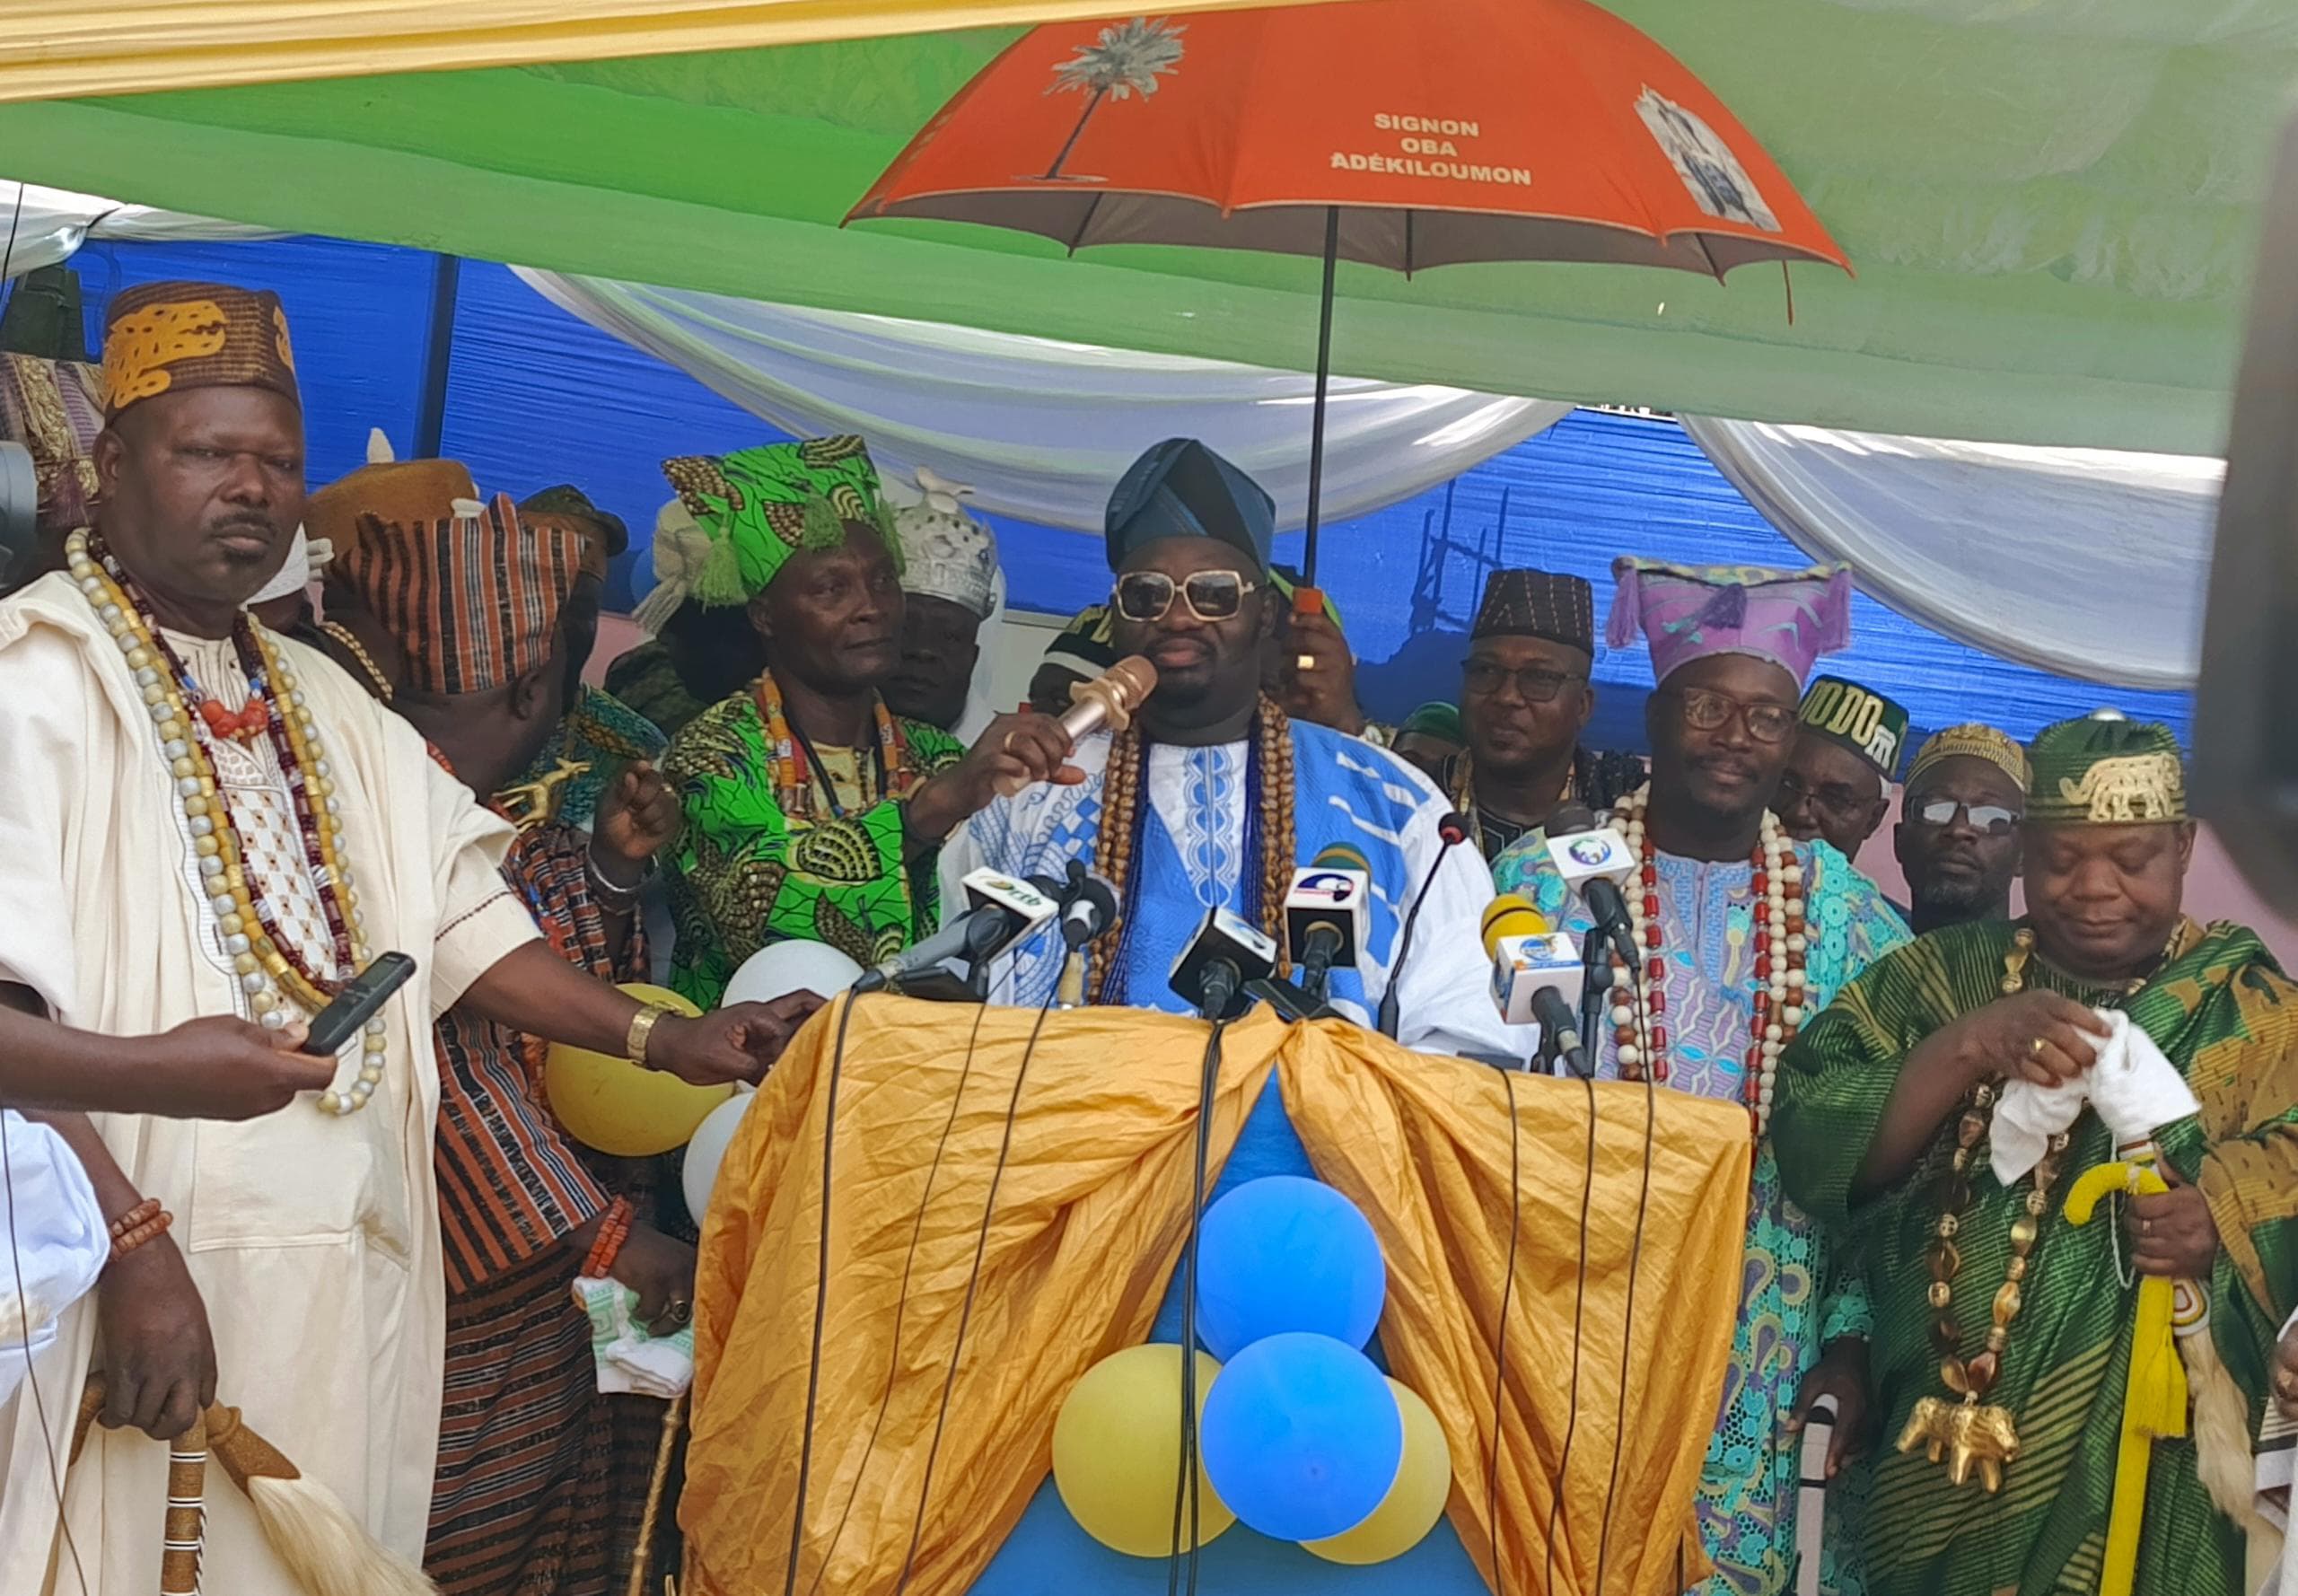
{"x": 902, "y": 1305}
{"x": 1186, "y": 1494}
{"x": 973, "y": 1285}
{"x": 821, "y": 1303}
{"x": 1627, "y": 1317}
{"x": 1579, "y": 1307}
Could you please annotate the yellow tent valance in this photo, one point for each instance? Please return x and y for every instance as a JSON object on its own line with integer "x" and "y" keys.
{"x": 69, "y": 48}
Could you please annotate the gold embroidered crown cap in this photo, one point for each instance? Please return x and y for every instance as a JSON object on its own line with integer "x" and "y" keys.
{"x": 165, "y": 337}
{"x": 2105, "y": 769}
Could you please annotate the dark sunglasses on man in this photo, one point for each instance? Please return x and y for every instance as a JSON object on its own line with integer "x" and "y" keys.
{"x": 1992, "y": 818}
{"x": 1535, "y": 684}
{"x": 1704, "y": 710}
{"x": 1210, "y": 595}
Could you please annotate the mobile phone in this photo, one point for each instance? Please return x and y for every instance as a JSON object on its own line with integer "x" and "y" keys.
{"x": 358, "y": 1003}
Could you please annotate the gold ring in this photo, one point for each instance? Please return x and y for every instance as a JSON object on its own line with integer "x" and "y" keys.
{"x": 1306, "y": 662}
{"x": 682, "y": 1311}
{"x": 2035, "y": 1048}
{"x": 2145, "y": 1228}
{"x": 1006, "y": 747}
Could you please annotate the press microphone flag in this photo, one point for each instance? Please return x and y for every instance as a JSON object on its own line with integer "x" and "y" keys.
{"x": 1596, "y": 863}
{"x": 1224, "y": 955}
{"x": 1537, "y": 975}
{"x": 1324, "y": 915}
{"x": 1002, "y": 910}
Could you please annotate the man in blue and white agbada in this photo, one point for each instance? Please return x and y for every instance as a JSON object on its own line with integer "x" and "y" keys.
{"x": 1214, "y": 796}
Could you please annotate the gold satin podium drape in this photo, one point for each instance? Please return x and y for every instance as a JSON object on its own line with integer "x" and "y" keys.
{"x": 1091, "y": 1214}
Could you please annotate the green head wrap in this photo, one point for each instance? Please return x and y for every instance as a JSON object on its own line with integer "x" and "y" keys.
{"x": 1436, "y": 719}
{"x": 2105, "y": 769}
{"x": 759, "y": 506}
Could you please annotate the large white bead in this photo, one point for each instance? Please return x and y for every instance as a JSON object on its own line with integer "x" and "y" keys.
{"x": 201, "y": 826}
{"x": 1797, "y": 943}
{"x": 253, "y": 982}
{"x": 1795, "y": 977}
{"x": 1772, "y": 1033}
{"x": 1622, "y": 1014}
{"x": 376, "y": 1027}
{"x": 210, "y": 865}
{"x": 271, "y": 1019}
{"x": 1629, "y": 1056}
{"x": 1793, "y": 1015}
{"x": 162, "y": 712}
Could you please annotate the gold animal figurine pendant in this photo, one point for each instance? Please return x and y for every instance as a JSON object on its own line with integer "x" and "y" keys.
{"x": 1967, "y": 1437}
{"x": 530, "y": 804}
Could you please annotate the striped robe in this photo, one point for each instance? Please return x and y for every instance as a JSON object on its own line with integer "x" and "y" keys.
{"x": 540, "y": 1480}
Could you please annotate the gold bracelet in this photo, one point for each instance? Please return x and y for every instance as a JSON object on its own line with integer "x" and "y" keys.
{"x": 641, "y": 1031}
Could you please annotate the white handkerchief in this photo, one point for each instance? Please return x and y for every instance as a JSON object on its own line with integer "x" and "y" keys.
{"x": 2025, "y": 1120}
{"x": 2134, "y": 1088}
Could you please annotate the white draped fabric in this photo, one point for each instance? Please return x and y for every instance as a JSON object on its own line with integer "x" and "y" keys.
{"x": 40, "y": 226}
{"x": 2087, "y": 562}
{"x": 1040, "y": 428}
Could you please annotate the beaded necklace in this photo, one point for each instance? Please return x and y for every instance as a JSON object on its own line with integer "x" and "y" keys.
{"x": 1638, "y": 1031}
{"x": 272, "y": 971}
{"x": 1463, "y": 792}
{"x": 794, "y": 779}
{"x": 1269, "y": 841}
{"x": 1973, "y": 1434}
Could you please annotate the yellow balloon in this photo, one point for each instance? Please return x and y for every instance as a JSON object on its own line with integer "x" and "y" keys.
{"x": 1414, "y": 1504}
{"x": 1116, "y": 1452}
{"x": 613, "y": 1105}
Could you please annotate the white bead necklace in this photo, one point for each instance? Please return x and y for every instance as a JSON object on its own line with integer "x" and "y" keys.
{"x": 264, "y": 967}
{"x": 1638, "y": 1013}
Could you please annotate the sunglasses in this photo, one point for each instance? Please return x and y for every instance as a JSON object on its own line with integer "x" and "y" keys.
{"x": 1210, "y": 595}
{"x": 1993, "y": 818}
{"x": 1535, "y": 684}
{"x": 1706, "y": 711}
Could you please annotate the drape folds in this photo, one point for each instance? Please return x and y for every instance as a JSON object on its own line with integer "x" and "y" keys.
{"x": 1089, "y": 1151}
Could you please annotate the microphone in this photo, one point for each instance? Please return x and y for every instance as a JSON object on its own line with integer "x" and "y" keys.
{"x": 1536, "y": 978}
{"x": 1453, "y": 830}
{"x": 1003, "y": 911}
{"x": 1596, "y": 863}
{"x": 1108, "y": 700}
{"x": 1224, "y": 955}
{"x": 1324, "y": 915}
{"x": 1088, "y": 905}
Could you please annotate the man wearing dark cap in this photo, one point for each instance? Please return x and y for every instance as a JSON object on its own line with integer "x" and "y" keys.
{"x": 599, "y": 732}
{"x": 204, "y": 819}
{"x": 1525, "y": 698}
{"x": 1836, "y": 786}
{"x": 1957, "y": 1112}
{"x": 1214, "y": 795}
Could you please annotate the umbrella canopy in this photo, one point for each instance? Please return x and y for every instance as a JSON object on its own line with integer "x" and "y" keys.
{"x": 1445, "y": 130}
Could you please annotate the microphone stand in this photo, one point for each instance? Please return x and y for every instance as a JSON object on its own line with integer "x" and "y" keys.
{"x": 1596, "y": 981}
{"x": 1453, "y": 831}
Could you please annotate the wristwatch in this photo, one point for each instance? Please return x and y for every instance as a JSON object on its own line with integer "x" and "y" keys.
{"x": 641, "y": 1031}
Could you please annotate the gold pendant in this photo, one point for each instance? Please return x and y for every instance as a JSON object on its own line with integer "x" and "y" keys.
{"x": 530, "y": 804}
{"x": 1965, "y": 1436}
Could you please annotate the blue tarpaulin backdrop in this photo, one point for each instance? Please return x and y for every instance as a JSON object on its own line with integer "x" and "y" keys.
{"x": 536, "y": 396}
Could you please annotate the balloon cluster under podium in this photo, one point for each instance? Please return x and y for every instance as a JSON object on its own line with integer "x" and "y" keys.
{"x": 1300, "y": 1436}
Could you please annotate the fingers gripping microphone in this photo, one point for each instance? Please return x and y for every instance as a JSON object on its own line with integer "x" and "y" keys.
{"x": 1088, "y": 906}
{"x": 1005, "y": 910}
{"x": 1536, "y": 978}
{"x": 1224, "y": 955}
{"x": 1596, "y": 863}
{"x": 1108, "y": 700}
{"x": 1452, "y": 830}
{"x": 1324, "y": 915}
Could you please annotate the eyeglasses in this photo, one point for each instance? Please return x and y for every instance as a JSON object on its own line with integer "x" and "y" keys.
{"x": 1210, "y": 595}
{"x": 1535, "y": 684}
{"x": 1839, "y": 800}
{"x": 1706, "y": 711}
{"x": 1993, "y": 818}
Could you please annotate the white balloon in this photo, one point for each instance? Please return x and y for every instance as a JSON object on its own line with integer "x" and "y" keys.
{"x": 707, "y": 1150}
{"x": 790, "y": 966}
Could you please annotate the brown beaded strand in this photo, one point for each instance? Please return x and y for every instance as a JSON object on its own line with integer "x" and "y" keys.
{"x": 1121, "y": 799}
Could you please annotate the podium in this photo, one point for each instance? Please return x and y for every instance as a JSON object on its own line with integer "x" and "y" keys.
{"x": 1005, "y": 1209}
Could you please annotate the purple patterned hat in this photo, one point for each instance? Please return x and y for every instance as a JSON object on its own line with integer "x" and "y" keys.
{"x": 1689, "y": 612}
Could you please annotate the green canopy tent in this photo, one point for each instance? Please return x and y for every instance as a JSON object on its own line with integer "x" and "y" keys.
{"x": 2052, "y": 214}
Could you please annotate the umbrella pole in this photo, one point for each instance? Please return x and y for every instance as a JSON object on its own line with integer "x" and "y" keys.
{"x": 1324, "y": 380}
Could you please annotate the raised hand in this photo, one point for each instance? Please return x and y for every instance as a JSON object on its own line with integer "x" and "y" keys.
{"x": 638, "y": 816}
{"x": 2036, "y": 1036}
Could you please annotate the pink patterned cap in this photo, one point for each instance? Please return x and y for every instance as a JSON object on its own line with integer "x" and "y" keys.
{"x": 1689, "y": 612}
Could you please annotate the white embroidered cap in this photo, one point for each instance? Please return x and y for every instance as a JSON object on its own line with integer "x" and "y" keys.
{"x": 946, "y": 554}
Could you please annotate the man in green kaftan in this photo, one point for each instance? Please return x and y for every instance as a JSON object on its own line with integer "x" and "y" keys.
{"x": 1895, "y": 1113}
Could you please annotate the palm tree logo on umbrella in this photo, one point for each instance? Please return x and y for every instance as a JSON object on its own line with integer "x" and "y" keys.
{"x": 1126, "y": 60}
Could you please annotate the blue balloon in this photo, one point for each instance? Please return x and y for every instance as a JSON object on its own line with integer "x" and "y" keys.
{"x": 1302, "y": 1436}
{"x": 1282, "y": 1253}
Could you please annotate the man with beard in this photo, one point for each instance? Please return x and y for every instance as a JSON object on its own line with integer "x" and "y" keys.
{"x": 1744, "y": 932}
{"x": 202, "y": 819}
{"x": 1214, "y": 794}
{"x": 812, "y": 810}
{"x": 1836, "y": 786}
{"x": 1958, "y": 835}
{"x": 1525, "y": 698}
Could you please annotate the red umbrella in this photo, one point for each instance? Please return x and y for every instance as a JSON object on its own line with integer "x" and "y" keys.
{"x": 1400, "y": 133}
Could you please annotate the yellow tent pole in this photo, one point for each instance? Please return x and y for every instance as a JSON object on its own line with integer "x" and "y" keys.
{"x": 2154, "y": 1402}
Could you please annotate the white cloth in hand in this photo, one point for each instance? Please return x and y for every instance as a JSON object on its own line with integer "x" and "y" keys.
{"x": 61, "y": 1242}
{"x": 630, "y": 1359}
{"x": 2136, "y": 1090}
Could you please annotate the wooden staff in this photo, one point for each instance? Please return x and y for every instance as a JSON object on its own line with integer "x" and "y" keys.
{"x": 185, "y": 1535}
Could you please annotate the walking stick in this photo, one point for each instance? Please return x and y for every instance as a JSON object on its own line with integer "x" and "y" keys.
{"x": 642, "y": 1560}
{"x": 186, "y": 1530}
{"x": 329, "y": 1552}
